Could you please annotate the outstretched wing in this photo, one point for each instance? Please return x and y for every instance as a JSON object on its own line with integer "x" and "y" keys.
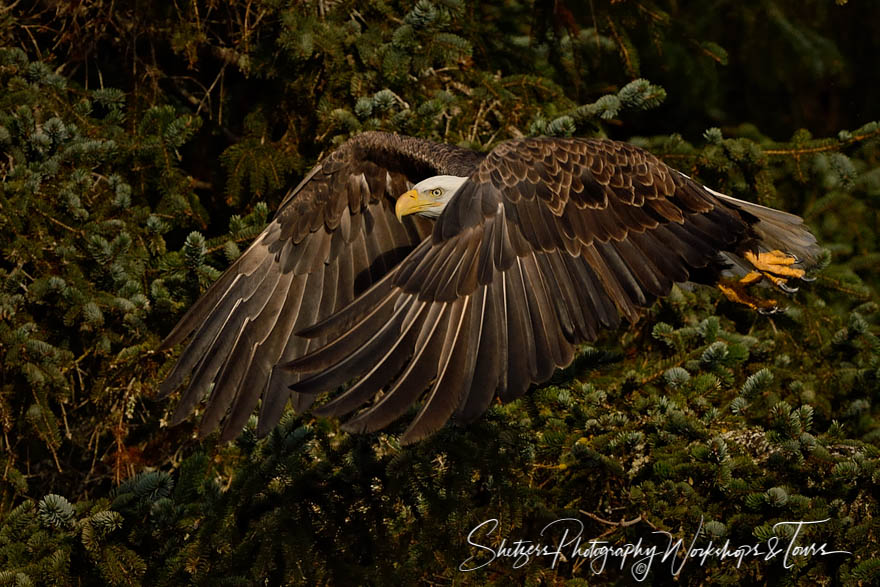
{"x": 547, "y": 242}
{"x": 333, "y": 236}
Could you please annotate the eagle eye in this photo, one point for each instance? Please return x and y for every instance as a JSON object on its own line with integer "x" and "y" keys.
{"x": 437, "y": 192}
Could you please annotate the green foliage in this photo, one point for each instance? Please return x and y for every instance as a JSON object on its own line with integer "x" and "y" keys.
{"x": 128, "y": 184}
{"x": 264, "y": 164}
{"x": 76, "y": 254}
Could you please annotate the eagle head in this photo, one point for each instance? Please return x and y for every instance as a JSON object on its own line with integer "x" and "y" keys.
{"x": 428, "y": 197}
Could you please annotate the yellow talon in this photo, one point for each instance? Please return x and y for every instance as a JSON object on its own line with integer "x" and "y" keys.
{"x": 736, "y": 292}
{"x": 776, "y": 266}
{"x": 750, "y": 278}
{"x": 775, "y": 263}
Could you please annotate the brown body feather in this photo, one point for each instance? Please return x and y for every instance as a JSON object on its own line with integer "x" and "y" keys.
{"x": 549, "y": 241}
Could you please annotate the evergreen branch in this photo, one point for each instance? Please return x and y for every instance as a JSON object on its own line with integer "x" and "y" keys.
{"x": 49, "y": 444}
{"x": 236, "y": 240}
{"x": 59, "y": 223}
{"x": 823, "y": 148}
{"x": 623, "y": 523}
{"x": 658, "y": 16}
{"x": 533, "y": 82}
{"x": 624, "y": 46}
{"x": 675, "y": 363}
{"x": 838, "y": 285}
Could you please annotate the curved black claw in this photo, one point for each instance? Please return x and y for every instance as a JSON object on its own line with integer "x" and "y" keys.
{"x": 768, "y": 311}
{"x": 811, "y": 278}
{"x": 787, "y": 288}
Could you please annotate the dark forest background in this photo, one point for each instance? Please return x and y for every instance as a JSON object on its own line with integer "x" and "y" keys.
{"x": 142, "y": 146}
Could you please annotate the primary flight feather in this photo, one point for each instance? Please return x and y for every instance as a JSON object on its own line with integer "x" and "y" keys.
{"x": 424, "y": 271}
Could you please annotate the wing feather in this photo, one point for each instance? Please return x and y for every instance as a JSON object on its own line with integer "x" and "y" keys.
{"x": 386, "y": 368}
{"x": 520, "y": 342}
{"x": 333, "y": 236}
{"x": 238, "y": 362}
{"x": 456, "y": 369}
{"x": 266, "y": 355}
{"x": 218, "y": 334}
{"x": 415, "y": 377}
{"x": 491, "y": 356}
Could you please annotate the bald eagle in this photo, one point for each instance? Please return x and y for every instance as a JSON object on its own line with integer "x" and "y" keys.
{"x": 414, "y": 270}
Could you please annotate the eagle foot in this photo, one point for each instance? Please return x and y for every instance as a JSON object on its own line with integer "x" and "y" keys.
{"x": 735, "y": 291}
{"x": 776, "y": 266}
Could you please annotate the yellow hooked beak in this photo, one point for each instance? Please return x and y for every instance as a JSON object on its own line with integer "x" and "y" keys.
{"x": 410, "y": 203}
